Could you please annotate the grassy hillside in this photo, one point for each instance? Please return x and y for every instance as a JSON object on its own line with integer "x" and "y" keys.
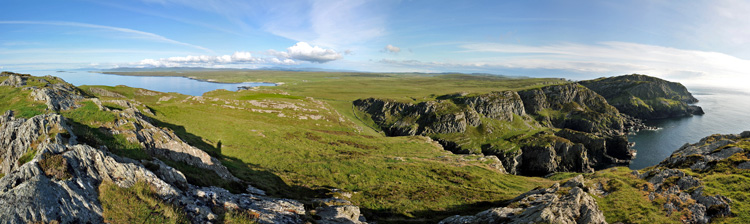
{"x": 300, "y": 147}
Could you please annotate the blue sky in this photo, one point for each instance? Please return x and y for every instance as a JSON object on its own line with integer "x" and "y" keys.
{"x": 700, "y": 42}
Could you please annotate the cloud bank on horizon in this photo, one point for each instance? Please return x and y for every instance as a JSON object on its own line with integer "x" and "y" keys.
{"x": 697, "y": 42}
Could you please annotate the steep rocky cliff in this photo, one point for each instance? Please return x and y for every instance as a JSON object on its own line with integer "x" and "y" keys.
{"x": 645, "y": 97}
{"x": 590, "y": 132}
{"x": 574, "y": 107}
{"x": 451, "y": 115}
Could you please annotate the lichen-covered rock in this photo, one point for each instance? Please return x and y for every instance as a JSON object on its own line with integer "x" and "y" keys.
{"x": 200, "y": 203}
{"x": 105, "y": 93}
{"x": 28, "y": 195}
{"x": 566, "y": 203}
{"x": 496, "y": 105}
{"x": 19, "y": 136}
{"x": 683, "y": 191}
{"x": 704, "y": 154}
{"x": 645, "y": 97}
{"x": 58, "y": 96}
{"x": 14, "y": 80}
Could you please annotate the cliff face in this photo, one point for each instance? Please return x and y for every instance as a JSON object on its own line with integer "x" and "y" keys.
{"x": 645, "y": 97}
{"x": 574, "y": 107}
{"x": 591, "y": 136}
{"x": 451, "y": 115}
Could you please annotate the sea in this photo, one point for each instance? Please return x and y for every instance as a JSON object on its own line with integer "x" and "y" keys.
{"x": 181, "y": 85}
{"x": 727, "y": 112}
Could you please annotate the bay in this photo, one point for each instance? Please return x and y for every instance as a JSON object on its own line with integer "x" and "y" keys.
{"x": 181, "y": 85}
{"x": 727, "y": 112}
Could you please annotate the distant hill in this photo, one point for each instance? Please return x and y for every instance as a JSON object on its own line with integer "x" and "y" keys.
{"x": 645, "y": 97}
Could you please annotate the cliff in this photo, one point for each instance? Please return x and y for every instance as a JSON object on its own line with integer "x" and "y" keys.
{"x": 645, "y": 97}
{"x": 590, "y": 132}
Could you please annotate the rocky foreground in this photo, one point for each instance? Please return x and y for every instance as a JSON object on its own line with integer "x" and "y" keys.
{"x": 672, "y": 185}
{"x": 49, "y": 176}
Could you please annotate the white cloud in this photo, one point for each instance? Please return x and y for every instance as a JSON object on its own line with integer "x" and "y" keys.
{"x": 392, "y": 49}
{"x": 602, "y": 59}
{"x": 213, "y": 61}
{"x": 303, "y": 51}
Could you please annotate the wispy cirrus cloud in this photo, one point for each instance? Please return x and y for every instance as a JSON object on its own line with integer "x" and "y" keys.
{"x": 328, "y": 23}
{"x": 137, "y": 33}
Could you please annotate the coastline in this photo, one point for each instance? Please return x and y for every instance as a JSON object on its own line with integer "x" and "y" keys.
{"x": 188, "y": 77}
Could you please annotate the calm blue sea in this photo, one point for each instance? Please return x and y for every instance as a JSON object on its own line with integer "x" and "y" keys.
{"x": 158, "y": 83}
{"x": 727, "y": 112}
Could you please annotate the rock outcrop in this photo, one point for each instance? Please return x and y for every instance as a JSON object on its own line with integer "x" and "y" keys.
{"x": 399, "y": 119}
{"x": 574, "y": 107}
{"x": 566, "y": 203}
{"x": 592, "y": 135}
{"x": 645, "y": 97}
{"x": 496, "y": 105}
{"x": 14, "y": 80}
{"x": 708, "y": 152}
{"x": 19, "y": 136}
{"x": 679, "y": 190}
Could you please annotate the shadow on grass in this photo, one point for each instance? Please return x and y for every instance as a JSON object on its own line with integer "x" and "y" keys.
{"x": 430, "y": 216}
{"x": 274, "y": 185}
{"x": 250, "y": 173}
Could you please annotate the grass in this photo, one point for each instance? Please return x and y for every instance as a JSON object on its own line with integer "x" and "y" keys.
{"x": 117, "y": 144}
{"x": 202, "y": 177}
{"x": 136, "y": 204}
{"x": 735, "y": 186}
{"x": 89, "y": 114}
{"x": 27, "y": 157}
{"x": 298, "y": 158}
{"x": 627, "y": 203}
{"x": 20, "y": 102}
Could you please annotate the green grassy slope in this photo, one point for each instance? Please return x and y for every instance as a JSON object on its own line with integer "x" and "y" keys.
{"x": 299, "y": 147}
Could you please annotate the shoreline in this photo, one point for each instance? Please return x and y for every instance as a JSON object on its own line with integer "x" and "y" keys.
{"x": 188, "y": 77}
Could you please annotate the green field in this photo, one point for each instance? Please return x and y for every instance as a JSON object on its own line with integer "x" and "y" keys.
{"x": 303, "y": 138}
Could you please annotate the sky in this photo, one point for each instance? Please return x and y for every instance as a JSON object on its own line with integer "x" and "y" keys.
{"x": 694, "y": 42}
